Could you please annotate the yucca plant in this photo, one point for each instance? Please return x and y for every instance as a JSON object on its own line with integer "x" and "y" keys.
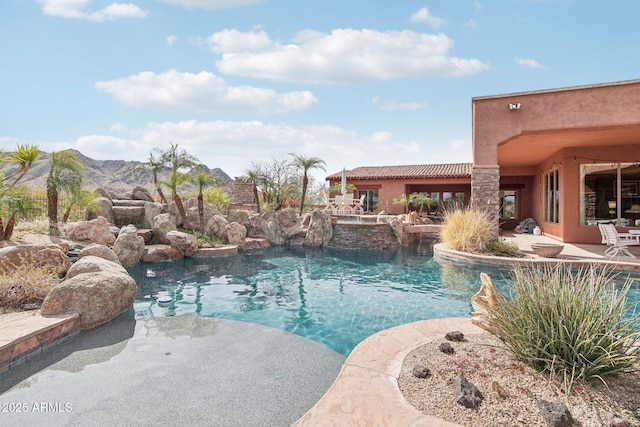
{"x": 468, "y": 230}
{"x": 573, "y": 323}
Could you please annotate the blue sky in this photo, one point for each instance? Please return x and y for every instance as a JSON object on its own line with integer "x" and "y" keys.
{"x": 356, "y": 83}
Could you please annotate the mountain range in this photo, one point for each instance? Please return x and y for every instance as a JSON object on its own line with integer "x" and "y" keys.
{"x": 115, "y": 176}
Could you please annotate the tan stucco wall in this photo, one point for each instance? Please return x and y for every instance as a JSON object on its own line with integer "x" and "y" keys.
{"x": 554, "y": 110}
{"x": 605, "y": 119}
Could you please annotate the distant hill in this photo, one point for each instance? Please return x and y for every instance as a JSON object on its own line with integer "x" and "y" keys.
{"x": 117, "y": 176}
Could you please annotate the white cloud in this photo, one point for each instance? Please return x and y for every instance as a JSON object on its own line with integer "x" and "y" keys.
{"x": 75, "y": 9}
{"x": 211, "y": 4}
{"x": 202, "y": 92}
{"x": 232, "y": 146}
{"x": 477, "y": 6}
{"x": 171, "y": 40}
{"x": 400, "y": 106}
{"x": 472, "y": 23}
{"x": 527, "y": 62}
{"x": 345, "y": 55}
{"x": 231, "y": 41}
{"x": 423, "y": 16}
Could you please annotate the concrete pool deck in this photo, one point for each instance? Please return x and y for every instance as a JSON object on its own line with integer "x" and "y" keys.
{"x": 182, "y": 370}
{"x": 364, "y": 391}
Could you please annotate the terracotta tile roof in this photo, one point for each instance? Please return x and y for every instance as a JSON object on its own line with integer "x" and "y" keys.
{"x": 447, "y": 170}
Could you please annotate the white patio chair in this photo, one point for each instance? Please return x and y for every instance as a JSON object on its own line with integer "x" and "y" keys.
{"x": 617, "y": 242}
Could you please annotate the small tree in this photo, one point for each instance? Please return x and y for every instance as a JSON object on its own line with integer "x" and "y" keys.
{"x": 178, "y": 162}
{"x": 421, "y": 201}
{"x": 403, "y": 200}
{"x": 65, "y": 173}
{"x": 305, "y": 164}
{"x": 202, "y": 181}
{"x": 24, "y": 156}
{"x": 15, "y": 202}
{"x": 154, "y": 166}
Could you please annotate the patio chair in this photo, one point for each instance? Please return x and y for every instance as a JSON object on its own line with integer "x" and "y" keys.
{"x": 617, "y": 242}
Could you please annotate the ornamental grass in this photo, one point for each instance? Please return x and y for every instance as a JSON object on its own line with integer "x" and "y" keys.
{"x": 468, "y": 230}
{"x": 24, "y": 284}
{"x": 576, "y": 324}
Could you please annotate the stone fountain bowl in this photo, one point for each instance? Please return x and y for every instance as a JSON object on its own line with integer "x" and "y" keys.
{"x": 547, "y": 250}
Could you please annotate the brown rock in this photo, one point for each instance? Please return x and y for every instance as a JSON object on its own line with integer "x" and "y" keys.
{"x": 236, "y": 234}
{"x": 156, "y": 253}
{"x": 96, "y": 231}
{"x": 50, "y": 256}
{"x": 100, "y": 251}
{"x": 99, "y": 296}
{"x": 187, "y": 243}
{"x": 320, "y": 229}
{"x": 129, "y": 246}
{"x": 93, "y": 264}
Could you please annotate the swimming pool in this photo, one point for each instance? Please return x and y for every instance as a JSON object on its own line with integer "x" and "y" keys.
{"x": 334, "y": 297}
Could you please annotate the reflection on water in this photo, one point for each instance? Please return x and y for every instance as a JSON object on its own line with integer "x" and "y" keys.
{"x": 333, "y": 296}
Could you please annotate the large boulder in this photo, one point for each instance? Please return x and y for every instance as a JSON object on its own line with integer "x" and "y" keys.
{"x": 241, "y": 216}
{"x": 103, "y": 207}
{"x": 141, "y": 193}
{"x": 320, "y": 228}
{"x": 187, "y": 243}
{"x": 216, "y": 226}
{"x": 129, "y": 246}
{"x": 236, "y": 234}
{"x": 100, "y": 251}
{"x": 156, "y": 253}
{"x": 96, "y": 230}
{"x": 274, "y": 232}
{"x": 287, "y": 218}
{"x": 162, "y": 224}
{"x": 151, "y": 210}
{"x": 44, "y": 240}
{"x": 93, "y": 264}
{"x": 100, "y": 291}
{"x": 193, "y": 214}
{"x": 50, "y": 256}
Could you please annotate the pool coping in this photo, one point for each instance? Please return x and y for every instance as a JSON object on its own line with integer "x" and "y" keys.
{"x": 24, "y": 335}
{"x": 366, "y": 391}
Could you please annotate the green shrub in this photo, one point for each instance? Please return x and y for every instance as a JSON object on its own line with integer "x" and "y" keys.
{"x": 503, "y": 248}
{"x": 468, "y": 230}
{"x": 206, "y": 240}
{"x": 573, "y": 323}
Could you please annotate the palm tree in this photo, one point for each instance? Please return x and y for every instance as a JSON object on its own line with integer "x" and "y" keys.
{"x": 155, "y": 166}
{"x": 402, "y": 200}
{"x": 203, "y": 180}
{"x": 65, "y": 173}
{"x": 304, "y": 164}
{"x": 79, "y": 197}
{"x": 177, "y": 161}
{"x": 24, "y": 156}
{"x": 253, "y": 176}
{"x": 14, "y": 203}
{"x": 421, "y": 200}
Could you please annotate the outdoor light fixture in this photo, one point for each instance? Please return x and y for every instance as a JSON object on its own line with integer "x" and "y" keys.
{"x": 514, "y": 106}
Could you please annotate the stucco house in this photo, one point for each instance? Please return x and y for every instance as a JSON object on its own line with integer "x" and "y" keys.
{"x": 566, "y": 157}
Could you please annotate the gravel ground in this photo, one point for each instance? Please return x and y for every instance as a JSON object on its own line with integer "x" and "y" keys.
{"x": 510, "y": 389}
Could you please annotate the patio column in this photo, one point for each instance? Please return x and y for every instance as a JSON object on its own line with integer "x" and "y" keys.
{"x": 485, "y": 190}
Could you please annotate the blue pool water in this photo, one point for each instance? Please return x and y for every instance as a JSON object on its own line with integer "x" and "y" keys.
{"x": 334, "y": 297}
